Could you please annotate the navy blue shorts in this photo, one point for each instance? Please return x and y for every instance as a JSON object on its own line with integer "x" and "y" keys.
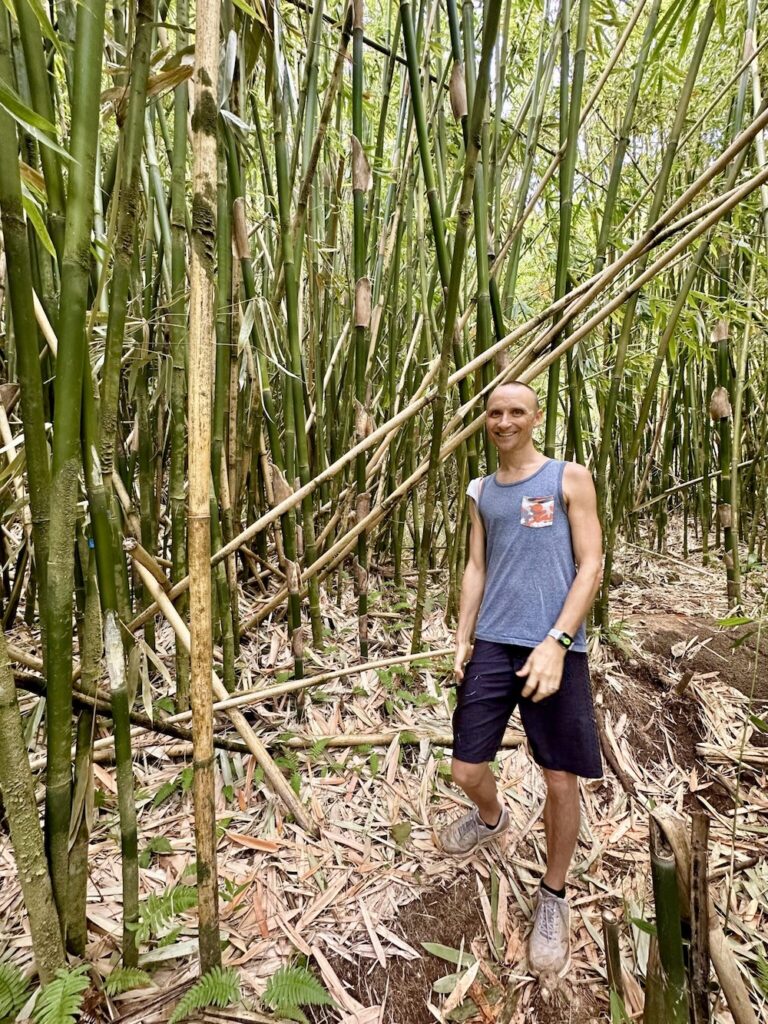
{"x": 561, "y": 729}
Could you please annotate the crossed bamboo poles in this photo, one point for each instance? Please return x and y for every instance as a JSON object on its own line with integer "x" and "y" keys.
{"x": 527, "y": 364}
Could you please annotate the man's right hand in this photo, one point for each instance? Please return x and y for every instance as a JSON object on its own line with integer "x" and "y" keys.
{"x": 463, "y": 654}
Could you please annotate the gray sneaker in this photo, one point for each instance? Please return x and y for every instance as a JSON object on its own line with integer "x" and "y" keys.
{"x": 469, "y": 832}
{"x": 549, "y": 947}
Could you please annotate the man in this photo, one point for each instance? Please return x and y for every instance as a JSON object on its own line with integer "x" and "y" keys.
{"x": 535, "y": 563}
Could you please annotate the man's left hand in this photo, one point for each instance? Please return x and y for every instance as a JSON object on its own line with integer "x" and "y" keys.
{"x": 544, "y": 668}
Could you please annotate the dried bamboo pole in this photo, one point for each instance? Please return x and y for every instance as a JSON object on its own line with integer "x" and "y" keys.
{"x": 699, "y": 888}
{"x": 202, "y": 298}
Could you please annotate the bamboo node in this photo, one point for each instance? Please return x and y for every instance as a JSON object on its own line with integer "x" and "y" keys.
{"x": 362, "y": 179}
{"x": 363, "y": 302}
{"x": 358, "y": 14}
{"x": 457, "y": 91}
{"x": 720, "y": 404}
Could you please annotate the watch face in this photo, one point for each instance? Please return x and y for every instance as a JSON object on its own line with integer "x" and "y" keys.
{"x": 565, "y": 640}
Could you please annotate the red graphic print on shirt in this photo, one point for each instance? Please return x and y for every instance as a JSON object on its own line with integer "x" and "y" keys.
{"x": 538, "y": 511}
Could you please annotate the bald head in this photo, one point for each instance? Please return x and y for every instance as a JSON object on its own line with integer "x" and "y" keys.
{"x": 518, "y": 384}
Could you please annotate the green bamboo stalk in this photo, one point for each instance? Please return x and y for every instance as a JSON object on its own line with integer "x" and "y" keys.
{"x": 66, "y": 434}
{"x": 490, "y": 30}
{"x": 570, "y": 115}
{"x": 609, "y": 412}
{"x": 178, "y": 336}
{"x": 19, "y": 270}
{"x": 18, "y": 790}
{"x": 668, "y": 929}
{"x": 90, "y": 668}
{"x": 41, "y": 90}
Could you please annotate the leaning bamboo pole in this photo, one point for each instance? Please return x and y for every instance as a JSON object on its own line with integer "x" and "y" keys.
{"x": 205, "y": 119}
{"x": 529, "y": 357}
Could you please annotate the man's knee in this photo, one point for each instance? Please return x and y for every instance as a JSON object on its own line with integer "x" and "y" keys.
{"x": 562, "y": 786}
{"x": 467, "y": 775}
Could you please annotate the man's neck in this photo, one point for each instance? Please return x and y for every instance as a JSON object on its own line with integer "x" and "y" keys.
{"x": 515, "y": 463}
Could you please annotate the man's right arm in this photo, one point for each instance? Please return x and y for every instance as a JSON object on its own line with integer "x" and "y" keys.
{"x": 472, "y": 588}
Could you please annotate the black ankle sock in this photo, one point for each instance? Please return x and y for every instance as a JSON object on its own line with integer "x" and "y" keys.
{"x": 560, "y": 893}
{"x": 495, "y": 825}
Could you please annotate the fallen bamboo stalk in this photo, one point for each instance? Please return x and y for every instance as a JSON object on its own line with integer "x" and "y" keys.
{"x": 260, "y": 693}
{"x": 272, "y": 773}
{"x": 102, "y": 706}
{"x": 441, "y": 737}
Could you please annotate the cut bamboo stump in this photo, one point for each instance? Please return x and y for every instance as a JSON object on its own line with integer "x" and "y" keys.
{"x": 699, "y": 887}
{"x": 723, "y": 959}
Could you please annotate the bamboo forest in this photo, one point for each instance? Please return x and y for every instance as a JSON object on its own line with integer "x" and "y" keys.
{"x": 264, "y": 264}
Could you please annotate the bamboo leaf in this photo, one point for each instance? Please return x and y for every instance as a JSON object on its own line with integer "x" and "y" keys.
{"x": 32, "y": 211}
{"x": 38, "y": 127}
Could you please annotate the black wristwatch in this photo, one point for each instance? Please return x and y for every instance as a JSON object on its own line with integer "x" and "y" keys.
{"x": 562, "y": 637}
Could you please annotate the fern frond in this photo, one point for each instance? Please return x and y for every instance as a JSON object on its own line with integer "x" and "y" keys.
{"x": 156, "y": 912}
{"x": 60, "y": 1001}
{"x": 219, "y": 987}
{"x": 123, "y": 979}
{"x": 294, "y": 1013}
{"x": 295, "y": 986}
{"x": 14, "y": 989}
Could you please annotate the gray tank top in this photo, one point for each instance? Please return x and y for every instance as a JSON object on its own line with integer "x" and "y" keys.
{"x": 528, "y": 557}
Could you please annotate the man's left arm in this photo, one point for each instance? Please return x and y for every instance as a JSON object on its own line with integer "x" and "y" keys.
{"x": 544, "y": 666}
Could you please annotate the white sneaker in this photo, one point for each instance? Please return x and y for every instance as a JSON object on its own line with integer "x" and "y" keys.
{"x": 549, "y": 947}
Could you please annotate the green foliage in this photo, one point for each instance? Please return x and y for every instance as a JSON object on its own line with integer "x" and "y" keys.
{"x": 60, "y": 1001}
{"x": 123, "y": 979}
{"x": 293, "y": 987}
{"x": 156, "y": 912}
{"x": 182, "y": 782}
{"x": 219, "y": 987}
{"x": 157, "y": 844}
{"x": 762, "y": 974}
{"x": 14, "y": 989}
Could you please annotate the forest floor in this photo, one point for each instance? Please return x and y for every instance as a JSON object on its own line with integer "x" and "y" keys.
{"x": 678, "y": 700}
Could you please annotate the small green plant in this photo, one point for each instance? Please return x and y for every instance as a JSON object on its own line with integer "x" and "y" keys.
{"x": 123, "y": 979}
{"x": 156, "y": 912}
{"x": 61, "y": 1000}
{"x": 219, "y": 987}
{"x": 290, "y": 988}
{"x": 14, "y": 990}
{"x": 762, "y": 974}
{"x": 157, "y": 844}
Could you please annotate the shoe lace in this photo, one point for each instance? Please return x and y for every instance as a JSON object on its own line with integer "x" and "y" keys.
{"x": 549, "y": 920}
{"x": 466, "y": 826}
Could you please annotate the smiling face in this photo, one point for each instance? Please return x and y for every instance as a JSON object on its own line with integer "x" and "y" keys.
{"x": 511, "y": 414}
